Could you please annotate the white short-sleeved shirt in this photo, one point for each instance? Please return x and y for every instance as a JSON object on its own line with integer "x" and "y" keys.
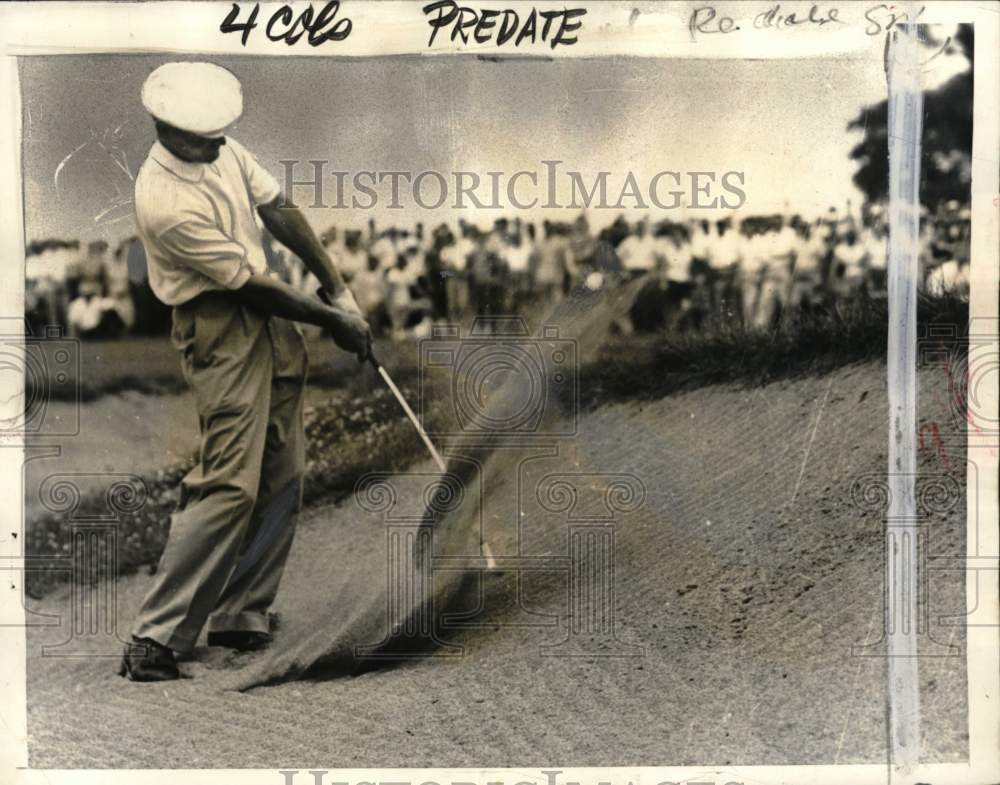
{"x": 678, "y": 257}
{"x": 398, "y": 285}
{"x": 198, "y": 222}
{"x": 770, "y": 250}
{"x": 518, "y": 257}
{"x": 751, "y": 253}
{"x": 726, "y": 250}
{"x": 456, "y": 257}
{"x": 386, "y": 251}
{"x": 638, "y": 253}
{"x": 809, "y": 259}
{"x": 878, "y": 250}
{"x": 703, "y": 244}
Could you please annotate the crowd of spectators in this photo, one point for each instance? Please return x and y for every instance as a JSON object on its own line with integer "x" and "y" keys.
{"x": 698, "y": 273}
{"x": 90, "y": 292}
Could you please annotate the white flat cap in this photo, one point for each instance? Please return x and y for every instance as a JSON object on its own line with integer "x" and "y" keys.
{"x": 201, "y": 98}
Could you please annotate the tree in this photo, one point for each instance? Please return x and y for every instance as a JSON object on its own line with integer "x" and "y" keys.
{"x": 946, "y": 159}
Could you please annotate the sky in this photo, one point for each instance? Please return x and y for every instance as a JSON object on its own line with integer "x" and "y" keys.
{"x": 781, "y": 123}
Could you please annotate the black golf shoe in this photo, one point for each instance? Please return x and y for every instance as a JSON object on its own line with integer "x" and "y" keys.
{"x": 146, "y": 660}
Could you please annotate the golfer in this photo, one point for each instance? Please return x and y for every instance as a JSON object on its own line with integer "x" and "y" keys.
{"x": 198, "y": 196}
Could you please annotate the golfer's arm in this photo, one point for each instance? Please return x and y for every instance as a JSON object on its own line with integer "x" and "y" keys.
{"x": 273, "y": 296}
{"x": 289, "y": 226}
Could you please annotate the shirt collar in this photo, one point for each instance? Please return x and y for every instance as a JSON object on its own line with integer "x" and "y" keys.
{"x": 185, "y": 170}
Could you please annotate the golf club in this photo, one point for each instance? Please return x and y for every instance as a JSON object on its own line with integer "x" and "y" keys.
{"x": 399, "y": 397}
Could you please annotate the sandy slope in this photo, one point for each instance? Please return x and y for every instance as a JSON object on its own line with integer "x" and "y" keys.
{"x": 743, "y": 579}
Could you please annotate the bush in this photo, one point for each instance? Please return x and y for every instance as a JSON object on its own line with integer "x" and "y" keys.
{"x": 810, "y": 343}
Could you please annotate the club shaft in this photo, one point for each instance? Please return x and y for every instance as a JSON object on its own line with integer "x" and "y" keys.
{"x": 325, "y": 297}
{"x": 409, "y": 413}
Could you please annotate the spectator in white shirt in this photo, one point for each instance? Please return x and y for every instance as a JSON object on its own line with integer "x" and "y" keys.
{"x": 638, "y": 251}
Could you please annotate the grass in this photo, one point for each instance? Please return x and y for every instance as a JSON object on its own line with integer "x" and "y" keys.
{"x": 657, "y": 365}
{"x": 152, "y": 366}
{"x": 147, "y": 365}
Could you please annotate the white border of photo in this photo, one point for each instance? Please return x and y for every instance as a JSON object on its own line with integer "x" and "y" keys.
{"x": 659, "y": 30}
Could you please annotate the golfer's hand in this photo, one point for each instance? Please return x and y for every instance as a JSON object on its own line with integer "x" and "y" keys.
{"x": 351, "y": 332}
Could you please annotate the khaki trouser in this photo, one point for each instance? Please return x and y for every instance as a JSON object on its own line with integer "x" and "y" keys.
{"x": 233, "y": 529}
{"x": 764, "y": 293}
